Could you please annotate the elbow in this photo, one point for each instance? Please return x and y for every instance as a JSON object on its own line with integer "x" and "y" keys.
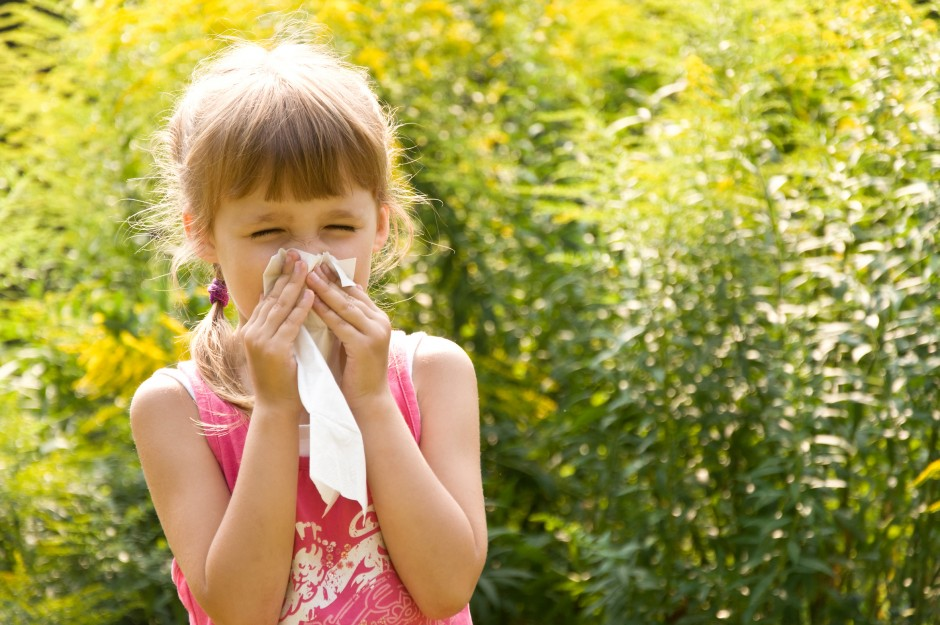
{"x": 258, "y": 617}
{"x": 442, "y": 607}
{"x": 231, "y": 600}
{"x": 260, "y": 611}
{"x": 450, "y": 595}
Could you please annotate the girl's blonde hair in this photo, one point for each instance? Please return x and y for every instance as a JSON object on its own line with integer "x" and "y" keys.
{"x": 287, "y": 116}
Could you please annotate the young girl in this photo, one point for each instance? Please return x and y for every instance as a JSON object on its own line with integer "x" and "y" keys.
{"x": 284, "y": 146}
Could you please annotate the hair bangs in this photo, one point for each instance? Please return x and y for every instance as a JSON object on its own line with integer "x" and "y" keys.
{"x": 302, "y": 147}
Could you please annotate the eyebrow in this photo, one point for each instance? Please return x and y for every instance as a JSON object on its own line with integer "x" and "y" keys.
{"x": 342, "y": 213}
{"x": 267, "y": 217}
{"x": 274, "y": 215}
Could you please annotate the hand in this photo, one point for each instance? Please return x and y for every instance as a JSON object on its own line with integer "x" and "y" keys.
{"x": 362, "y": 328}
{"x": 268, "y": 337}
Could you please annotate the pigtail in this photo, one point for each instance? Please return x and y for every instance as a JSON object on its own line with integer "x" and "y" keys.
{"x": 213, "y": 349}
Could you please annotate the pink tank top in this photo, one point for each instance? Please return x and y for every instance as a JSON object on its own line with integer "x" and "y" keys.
{"x": 341, "y": 573}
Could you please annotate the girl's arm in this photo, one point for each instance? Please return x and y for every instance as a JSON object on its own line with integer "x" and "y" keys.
{"x": 429, "y": 500}
{"x": 234, "y": 548}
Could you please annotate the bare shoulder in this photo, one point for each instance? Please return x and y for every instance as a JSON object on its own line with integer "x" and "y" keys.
{"x": 158, "y": 403}
{"x": 446, "y": 385}
{"x": 440, "y": 359}
{"x": 165, "y": 424}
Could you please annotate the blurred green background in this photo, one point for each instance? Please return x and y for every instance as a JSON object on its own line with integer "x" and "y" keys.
{"x": 691, "y": 247}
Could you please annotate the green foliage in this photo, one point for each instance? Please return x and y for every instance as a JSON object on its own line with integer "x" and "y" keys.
{"x": 691, "y": 251}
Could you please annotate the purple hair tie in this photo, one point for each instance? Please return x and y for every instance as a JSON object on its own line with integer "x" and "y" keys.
{"x": 218, "y": 292}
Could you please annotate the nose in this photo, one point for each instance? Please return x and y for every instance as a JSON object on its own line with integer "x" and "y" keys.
{"x": 310, "y": 246}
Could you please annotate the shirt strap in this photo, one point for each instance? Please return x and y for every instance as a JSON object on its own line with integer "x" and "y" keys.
{"x": 180, "y": 377}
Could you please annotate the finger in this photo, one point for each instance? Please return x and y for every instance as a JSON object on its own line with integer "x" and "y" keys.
{"x": 342, "y": 302}
{"x": 268, "y": 299}
{"x": 367, "y": 305}
{"x": 282, "y": 298}
{"x": 283, "y": 302}
{"x": 342, "y": 319}
{"x": 328, "y": 272}
{"x": 369, "y": 309}
{"x": 272, "y": 331}
{"x": 289, "y": 328}
{"x": 328, "y": 275}
{"x": 287, "y": 270}
{"x": 354, "y": 338}
{"x": 357, "y": 333}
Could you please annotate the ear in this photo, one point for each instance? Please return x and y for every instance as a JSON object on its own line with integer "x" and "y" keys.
{"x": 382, "y": 227}
{"x": 202, "y": 245}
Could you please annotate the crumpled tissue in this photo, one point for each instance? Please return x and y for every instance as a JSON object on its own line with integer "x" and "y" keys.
{"x": 337, "y": 454}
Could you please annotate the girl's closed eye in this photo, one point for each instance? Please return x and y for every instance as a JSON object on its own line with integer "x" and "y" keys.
{"x": 344, "y": 228}
{"x": 263, "y": 233}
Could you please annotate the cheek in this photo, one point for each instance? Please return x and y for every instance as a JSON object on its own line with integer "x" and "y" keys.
{"x": 363, "y": 267}
{"x": 245, "y": 286}
{"x": 245, "y": 299}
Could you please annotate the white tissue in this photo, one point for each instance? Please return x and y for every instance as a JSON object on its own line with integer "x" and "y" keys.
{"x": 337, "y": 455}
